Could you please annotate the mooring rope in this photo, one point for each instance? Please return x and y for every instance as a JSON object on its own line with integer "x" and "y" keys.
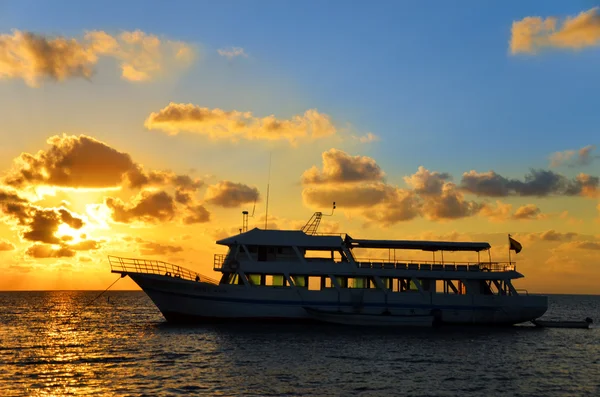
{"x": 102, "y": 293}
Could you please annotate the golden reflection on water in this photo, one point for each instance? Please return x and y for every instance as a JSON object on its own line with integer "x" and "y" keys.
{"x": 52, "y": 344}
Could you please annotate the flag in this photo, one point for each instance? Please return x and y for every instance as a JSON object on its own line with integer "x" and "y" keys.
{"x": 514, "y": 245}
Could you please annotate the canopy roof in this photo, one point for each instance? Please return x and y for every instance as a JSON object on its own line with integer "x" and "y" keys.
{"x": 283, "y": 238}
{"x": 419, "y": 245}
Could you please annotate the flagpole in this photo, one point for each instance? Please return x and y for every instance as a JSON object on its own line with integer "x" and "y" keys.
{"x": 509, "y": 261}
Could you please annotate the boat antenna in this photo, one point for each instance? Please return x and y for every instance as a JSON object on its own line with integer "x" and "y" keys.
{"x": 268, "y": 183}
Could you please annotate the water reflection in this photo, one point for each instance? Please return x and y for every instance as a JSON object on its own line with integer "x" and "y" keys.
{"x": 50, "y": 346}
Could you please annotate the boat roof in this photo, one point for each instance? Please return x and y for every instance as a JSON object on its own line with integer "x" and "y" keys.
{"x": 420, "y": 245}
{"x": 288, "y": 238}
{"x": 282, "y": 238}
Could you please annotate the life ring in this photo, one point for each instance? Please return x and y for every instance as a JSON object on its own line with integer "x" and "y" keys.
{"x": 234, "y": 265}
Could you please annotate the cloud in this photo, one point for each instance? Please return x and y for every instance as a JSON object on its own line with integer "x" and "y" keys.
{"x": 229, "y": 194}
{"x": 532, "y": 34}
{"x": 585, "y": 245}
{"x": 36, "y": 223}
{"x": 368, "y": 138}
{"x": 574, "y": 158}
{"x": 348, "y": 196}
{"x": 197, "y": 214}
{"x": 35, "y": 57}
{"x": 85, "y": 162}
{"x": 340, "y": 167}
{"x": 529, "y": 211}
{"x": 426, "y": 182}
{"x": 356, "y": 183}
{"x": 153, "y": 248}
{"x": 234, "y": 125}
{"x": 86, "y": 245}
{"x": 232, "y": 52}
{"x": 72, "y": 161}
{"x": 540, "y": 183}
{"x": 147, "y": 206}
{"x": 47, "y": 251}
{"x": 501, "y": 212}
{"x": 552, "y": 235}
{"x": 6, "y": 246}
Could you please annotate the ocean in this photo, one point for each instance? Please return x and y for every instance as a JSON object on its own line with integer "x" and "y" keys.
{"x": 55, "y": 344}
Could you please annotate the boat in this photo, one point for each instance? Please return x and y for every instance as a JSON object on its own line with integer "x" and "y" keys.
{"x": 587, "y": 323}
{"x": 273, "y": 275}
{"x": 375, "y": 319}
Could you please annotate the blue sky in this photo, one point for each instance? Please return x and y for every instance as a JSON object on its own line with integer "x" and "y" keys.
{"x": 434, "y": 79}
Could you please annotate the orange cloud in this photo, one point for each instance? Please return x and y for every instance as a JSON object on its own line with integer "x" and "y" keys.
{"x": 47, "y": 251}
{"x": 532, "y": 34}
{"x": 35, "y": 57}
{"x": 355, "y": 182}
{"x": 6, "y": 246}
{"x": 340, "y": 167}
{"x": 574, "y": 158}
{"x": 147, "y": 206}
{"x": 72, "y": 161}
{"x": 234, "y": 125}
{"x": 529, "y": 211}
{"x": 229, "y": 194}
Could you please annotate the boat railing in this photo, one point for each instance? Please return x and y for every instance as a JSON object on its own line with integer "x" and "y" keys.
{"x": 372, "y": 263}
{"x": 219, "y": 259}
{"x": 149, "y": 266}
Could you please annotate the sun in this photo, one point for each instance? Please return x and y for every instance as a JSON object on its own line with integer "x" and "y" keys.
{"x": 67, "y": 233}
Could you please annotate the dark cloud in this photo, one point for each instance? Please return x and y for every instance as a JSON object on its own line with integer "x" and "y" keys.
{"x": 340, "y": 167}
{"x": 539, "y": 183}
{"x": 147, "y": 206}
{"x": 36, "y": 223}
{"x": 229, "y": 194}
{"x": 72, "y": 161}
{"x": 197, "y": 214}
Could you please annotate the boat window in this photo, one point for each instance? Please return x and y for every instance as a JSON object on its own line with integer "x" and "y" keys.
{"x": 231, "y": 278}
{"x": 253, "y": 279}
{"x": 275, "y": 280}
{"x": 326, "y": 282}
{"x": 300, "y": 281}
{"x": 314, "y": 283}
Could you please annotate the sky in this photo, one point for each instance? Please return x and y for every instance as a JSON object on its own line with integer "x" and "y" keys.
{"x": 145, "y": 129}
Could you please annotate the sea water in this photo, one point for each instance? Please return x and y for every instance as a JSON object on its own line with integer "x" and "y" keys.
{"x": 57, "y": 343}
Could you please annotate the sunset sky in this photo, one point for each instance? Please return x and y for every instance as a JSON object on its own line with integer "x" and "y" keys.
{"x": 143, "y": 130}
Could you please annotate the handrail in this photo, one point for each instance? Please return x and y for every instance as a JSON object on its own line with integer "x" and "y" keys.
{"x": 433, "y": 265}
{"x": 149, "y": 266}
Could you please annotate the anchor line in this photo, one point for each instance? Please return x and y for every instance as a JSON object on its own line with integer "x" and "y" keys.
{"x": 102, "y": 293}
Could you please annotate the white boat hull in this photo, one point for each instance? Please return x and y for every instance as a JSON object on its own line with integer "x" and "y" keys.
{"x": 188, "y": 301}
{"x": 374, "y": 320}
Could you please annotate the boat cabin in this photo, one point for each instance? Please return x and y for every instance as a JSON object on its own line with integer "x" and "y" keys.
{"x": 294, "y": 259}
